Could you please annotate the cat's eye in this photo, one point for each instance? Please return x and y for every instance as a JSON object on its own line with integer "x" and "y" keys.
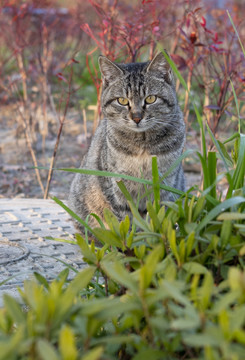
{"x": 123, "y": 101}
{"x": 150, "y": 99}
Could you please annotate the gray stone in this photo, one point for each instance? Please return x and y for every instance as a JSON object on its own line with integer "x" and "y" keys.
{"x": 24, "y": 224}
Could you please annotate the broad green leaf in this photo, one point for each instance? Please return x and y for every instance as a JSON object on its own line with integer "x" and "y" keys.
{"x": 107, "y": 237}
{"x": 81, "y": 280}
{"x": 173, "y": 246}
{"x": 112, "y": 221}
{"x": 172, "y": 290}
{"x": 94, "y": 354}
{"x": 108, "y": 308}
{"x": 231, "y": 216}
{"x": 190, "y": 243}
{"x": 224, "y": 323}
{"x": 117, "y": 272}
{"x": 149, "y": 353}
{"x": 186, "y": 323}
{"x": 235, "y": 278}
{"x": 67, "y": 344}
{"x": 140, "y": 222}
{"x": 124, "y": 227}
{"x": 46, "y": 351}
{"x": 210, "y": 337}
{"x": 41, "y": 279}
{"x": 153, "y": 215}
{"x": 206, "y": 290}
{"x": 182, "y": 251}
{"x": 85, "y": 249}
{"x": 14, "y": 309}
{"x": 226, "y": 232}
{"x": 8, "y": 347}
{"x": 147, "y": 271}
{"x": 239, "y": 336}
{"x": 225, "y": 153}
{"x": 194, "y": 268}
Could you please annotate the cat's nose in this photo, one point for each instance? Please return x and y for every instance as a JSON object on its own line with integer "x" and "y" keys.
{"x": 136, "y": 118}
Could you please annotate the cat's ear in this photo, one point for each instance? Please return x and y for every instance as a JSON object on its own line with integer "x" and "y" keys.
{"x": 159, "y": 64}
{"x": 109, "y": 70}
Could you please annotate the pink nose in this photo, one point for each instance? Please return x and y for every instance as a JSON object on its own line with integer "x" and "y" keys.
{"x": 137, "y": 119}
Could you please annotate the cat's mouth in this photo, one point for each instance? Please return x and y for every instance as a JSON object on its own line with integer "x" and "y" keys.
{"x": 140, "y": 126}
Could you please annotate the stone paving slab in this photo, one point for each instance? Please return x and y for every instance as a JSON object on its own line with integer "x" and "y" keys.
{"x": 24, "y": 224}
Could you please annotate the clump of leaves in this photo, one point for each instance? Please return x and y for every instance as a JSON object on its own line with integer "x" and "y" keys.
{"x": 169, "y": 286}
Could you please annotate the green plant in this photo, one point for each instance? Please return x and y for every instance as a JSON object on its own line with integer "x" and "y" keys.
{"x": 171, "y": 285}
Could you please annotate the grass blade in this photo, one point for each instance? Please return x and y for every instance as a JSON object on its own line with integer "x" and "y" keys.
{"x": 234, "y": 27}
{"x": 219, "y": 209}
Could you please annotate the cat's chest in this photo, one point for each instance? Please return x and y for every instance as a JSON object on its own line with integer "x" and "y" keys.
{"x": 137, "y": 165}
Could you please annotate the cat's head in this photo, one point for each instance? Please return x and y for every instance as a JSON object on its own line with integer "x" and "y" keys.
{"x": 139, "y": 96}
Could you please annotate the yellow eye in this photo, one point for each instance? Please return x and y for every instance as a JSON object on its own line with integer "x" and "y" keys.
{"x": 123, "y": 101}
{"x": 150, "y": 99}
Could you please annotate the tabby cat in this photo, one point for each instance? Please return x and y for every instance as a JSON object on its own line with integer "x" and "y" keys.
{"x": 142, "y": 119}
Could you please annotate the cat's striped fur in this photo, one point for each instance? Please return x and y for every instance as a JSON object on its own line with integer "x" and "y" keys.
{"x": 129, "y": 135}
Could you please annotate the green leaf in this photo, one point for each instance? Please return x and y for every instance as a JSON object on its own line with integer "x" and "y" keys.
{"x": 80, "y": 281}
{"x": 226, "y": 232}
{"x": 94, "y": 354}
{"x": 149, "y": 353}
{"x": 212, "y": 172}
{"x": 46, "y": 351}
{"x": 219, "y": 209}
{"x": 70, "y": 212}
{"x": 124, "y": 227}
{"x": 14, "y": 309}
{"x": 207, "y": 338}
{"x": 156, "y": 185}
{"x": 41, "y": 279}
{"x": 112, "y": 221}
{"x": 190, "y": 322}
{"x": 117, "y": 272}
{"x": 190, "y": 243}
{"x": 140, "y": 222}
{"x": 147, "y": 271}
{"x": 225, "y": 153}
{"x": 234, "y": 27}
{"x": 194, "y": 268}
{"x": 85, "y": 249}
{"x": 218, "y": 148}
{"x": 231, "y": 216}
{"x": 173, "y": 246}
{"x": 153, "y": 215}
{"x": 10, "y": 347}
{"x": 239, "y": 173}
{"x": 206, "y": 290}
{"x": 67, "y": 344}
{"x": 107, "y": 237}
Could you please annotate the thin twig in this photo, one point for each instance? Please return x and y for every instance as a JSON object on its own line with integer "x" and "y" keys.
{"x": 50, "y": 173}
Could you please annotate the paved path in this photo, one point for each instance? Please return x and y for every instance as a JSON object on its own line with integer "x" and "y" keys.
{"x": 24, "y": 224}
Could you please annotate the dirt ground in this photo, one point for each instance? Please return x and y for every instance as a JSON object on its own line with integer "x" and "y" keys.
{"x": 17, "y": 176}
